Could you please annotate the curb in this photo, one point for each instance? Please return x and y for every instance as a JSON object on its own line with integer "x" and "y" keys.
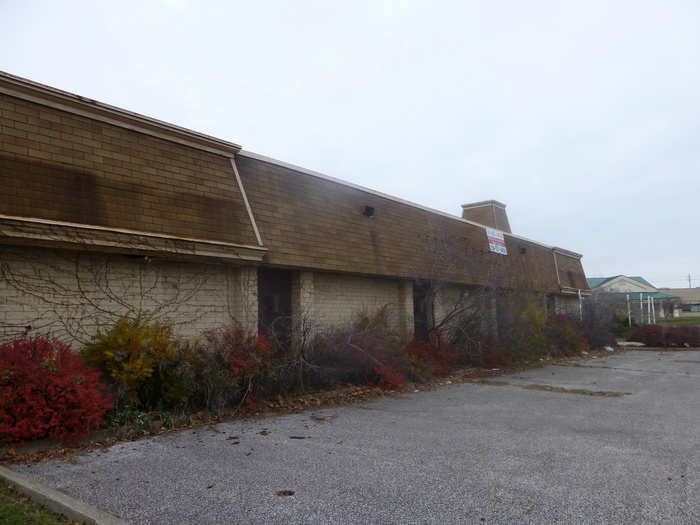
{"x": 59, "y": 502}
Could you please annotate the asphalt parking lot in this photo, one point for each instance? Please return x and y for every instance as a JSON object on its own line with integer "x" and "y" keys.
{"x": 608, "y": 440}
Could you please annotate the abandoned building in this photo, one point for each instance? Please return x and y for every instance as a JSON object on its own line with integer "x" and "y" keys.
{"x": 104, "y": 211}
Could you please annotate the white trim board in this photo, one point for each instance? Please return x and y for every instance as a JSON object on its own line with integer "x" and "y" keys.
{"x": 48, "y": 96}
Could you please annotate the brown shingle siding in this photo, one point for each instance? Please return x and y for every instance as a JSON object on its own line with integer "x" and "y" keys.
{"x": 75, "y": 169}
{"x": 571, "y": 273}
{"x": 310, "y": 222}
{"x": 61, "y": 166}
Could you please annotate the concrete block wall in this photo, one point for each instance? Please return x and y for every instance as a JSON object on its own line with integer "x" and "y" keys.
{"x": 338, "y": 299}
{"x": 70, "y": 294}
{"x": 242, "y": 294}
{"x": 447, "y": 297}
{"x": 405, "y": 309}
{"x": 566, "y": 304}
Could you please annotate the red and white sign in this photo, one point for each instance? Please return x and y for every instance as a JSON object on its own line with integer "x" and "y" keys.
{"x": 497, "y": 243}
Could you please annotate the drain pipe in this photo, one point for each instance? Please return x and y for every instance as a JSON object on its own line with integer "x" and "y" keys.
{"x": 580, "y": 305}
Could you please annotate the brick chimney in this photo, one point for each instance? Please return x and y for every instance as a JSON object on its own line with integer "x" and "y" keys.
{"x": 489, "y": 213}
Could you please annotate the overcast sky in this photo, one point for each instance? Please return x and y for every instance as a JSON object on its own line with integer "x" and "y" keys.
{"x": 583, "y": 117}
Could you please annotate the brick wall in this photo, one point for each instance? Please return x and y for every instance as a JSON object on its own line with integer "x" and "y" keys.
{"x": 70, "y": 294}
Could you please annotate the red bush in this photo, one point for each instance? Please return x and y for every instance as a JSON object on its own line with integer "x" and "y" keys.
{"x": 346, "y": 355}
{"x": 434, "y": 357}
{"x": 47, "y": 391}
{"x": 377, "y": 360}
{"x": 387, "y": 377}
{"x": 650, "y": 335}
{"x": 683, "y": 335}
{"x": 247, "y": 353}
{"x": 493, "y": 356}
{"x": 655, "y": 335}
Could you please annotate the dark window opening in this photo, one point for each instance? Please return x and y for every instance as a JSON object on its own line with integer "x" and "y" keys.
{"x": 275, "y": 302}
{"x": 422, "y": 309}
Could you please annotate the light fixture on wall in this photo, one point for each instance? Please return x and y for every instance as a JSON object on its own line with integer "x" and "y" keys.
{"x": 368, "y": 211}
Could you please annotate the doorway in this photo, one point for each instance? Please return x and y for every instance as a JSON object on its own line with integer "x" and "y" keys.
{"x": 422, "y": 309}
{"x": 275, "y": 301}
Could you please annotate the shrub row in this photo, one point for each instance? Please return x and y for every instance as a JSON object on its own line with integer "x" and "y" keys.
{"x": 534, "y": 337}
{"x": 662, "y": 336}
{"x": 47, "y": 390}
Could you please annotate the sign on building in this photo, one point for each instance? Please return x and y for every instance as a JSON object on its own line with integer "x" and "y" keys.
{"x": 497, "y": 243}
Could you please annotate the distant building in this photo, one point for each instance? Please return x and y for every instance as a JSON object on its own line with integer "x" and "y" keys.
{"x": 645, "y": 300}
{"x": 689, "y": 300}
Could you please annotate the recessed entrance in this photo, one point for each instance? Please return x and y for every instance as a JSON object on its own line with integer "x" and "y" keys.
{"x": 274, "y": 301}
{"x": 422, "y": 309}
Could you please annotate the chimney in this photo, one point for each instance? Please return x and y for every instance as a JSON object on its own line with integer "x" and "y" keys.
{"x": 489, "y": 213}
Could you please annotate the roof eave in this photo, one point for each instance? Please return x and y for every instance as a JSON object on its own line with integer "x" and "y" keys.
{"x": 62, "y": 100}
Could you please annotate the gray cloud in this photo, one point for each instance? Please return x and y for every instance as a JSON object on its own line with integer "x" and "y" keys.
{"x": 582, "y": 117}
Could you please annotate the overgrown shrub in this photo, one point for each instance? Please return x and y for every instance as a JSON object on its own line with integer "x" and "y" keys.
{"x": 231, "y": 365}
{"x": 602, "y": 319}
{"x": 620, "y": 325}
{"x": 348, "y": 356}
{"x": 47, "y": 391}
{"x": 430, "y": 358}
{"x": 466, "y": 331}
{"x": 596, "y": 335}
{"x": 650, "y": 335}
{"x": 656, "y": 335}
{"x": 682, "y": 335}
{"x": 563, "y": 338}
{"x": 367, "y": 352}
{"x": 493, "y": 356}
{"x": 139, "y": 356}
{"x": 522, "y": 326}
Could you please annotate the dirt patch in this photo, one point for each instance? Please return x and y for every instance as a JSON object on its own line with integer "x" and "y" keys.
{"x": 550, "y": 388}
{"x": 576, "y": 365}
{"x": 578, "y": 391}
{"x": 491, "y": 382}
